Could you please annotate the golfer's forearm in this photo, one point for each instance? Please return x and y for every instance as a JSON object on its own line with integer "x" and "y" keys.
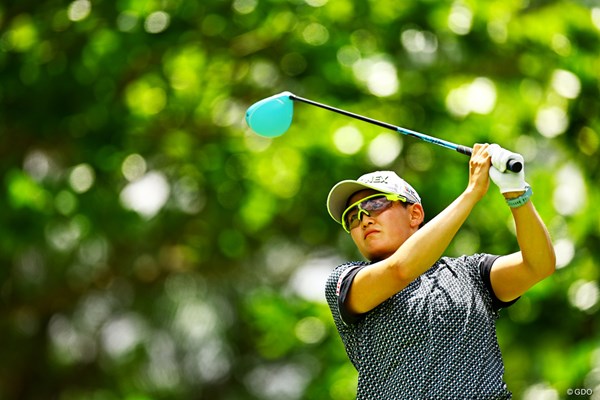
{"x": 428, "y": 244}
{"x": 534, "y": 240}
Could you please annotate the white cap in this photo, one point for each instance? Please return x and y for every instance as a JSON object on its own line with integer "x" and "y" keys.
{"x": 382, "y": 181}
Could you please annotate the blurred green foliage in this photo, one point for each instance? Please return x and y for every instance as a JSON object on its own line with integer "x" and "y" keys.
{"x": 152, "y": 247}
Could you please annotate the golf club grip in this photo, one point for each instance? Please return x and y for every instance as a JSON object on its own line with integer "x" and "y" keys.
{"x": 511, "y": 165}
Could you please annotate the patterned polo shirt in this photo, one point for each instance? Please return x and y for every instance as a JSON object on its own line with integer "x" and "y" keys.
{"x": 435, "y": 339}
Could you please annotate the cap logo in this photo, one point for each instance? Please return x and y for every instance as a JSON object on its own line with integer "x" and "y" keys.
{"x": 376, "y": 179}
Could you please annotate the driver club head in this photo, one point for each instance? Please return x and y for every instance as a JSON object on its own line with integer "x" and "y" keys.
{"x": 271, "y": 117}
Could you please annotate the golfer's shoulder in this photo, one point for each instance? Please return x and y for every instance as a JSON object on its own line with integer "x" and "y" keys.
{"x": 344, "y": 269}
{"x": 339, "y": 274}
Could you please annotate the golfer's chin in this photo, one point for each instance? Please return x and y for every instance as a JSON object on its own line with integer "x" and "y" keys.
{"x": 377, "y": 253}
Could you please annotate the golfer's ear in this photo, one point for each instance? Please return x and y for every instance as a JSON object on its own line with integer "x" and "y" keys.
{"x": 417, "y": 215}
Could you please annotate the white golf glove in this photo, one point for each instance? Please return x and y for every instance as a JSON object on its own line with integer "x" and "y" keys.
{"x": 507, "y": 181}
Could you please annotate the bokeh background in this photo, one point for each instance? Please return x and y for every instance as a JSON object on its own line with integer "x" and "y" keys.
{"x": 152, "y": 247}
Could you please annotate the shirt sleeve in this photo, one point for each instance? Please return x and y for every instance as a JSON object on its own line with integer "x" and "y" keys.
{"x": 344, "y": 283}
{"x": 485, "y": 267}
{"x": 337, "y": 288}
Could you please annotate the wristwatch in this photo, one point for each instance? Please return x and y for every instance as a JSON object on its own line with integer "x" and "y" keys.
{"x": 522, "y": 199}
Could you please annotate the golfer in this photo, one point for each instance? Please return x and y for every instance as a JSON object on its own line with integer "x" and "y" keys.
{"x": 416, "y": 324}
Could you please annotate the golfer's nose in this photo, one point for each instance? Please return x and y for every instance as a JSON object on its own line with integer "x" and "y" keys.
{"x": 366, "y": 219}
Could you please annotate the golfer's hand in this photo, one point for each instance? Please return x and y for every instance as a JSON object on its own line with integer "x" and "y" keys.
{"x": 506, "y": 180}
{"x": 479, "y": 166}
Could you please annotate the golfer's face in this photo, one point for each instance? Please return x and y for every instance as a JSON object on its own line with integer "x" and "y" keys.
{"x": 379, "y": 235}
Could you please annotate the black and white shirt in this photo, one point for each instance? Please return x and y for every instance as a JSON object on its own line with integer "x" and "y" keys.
{"x": 435, "y": 339}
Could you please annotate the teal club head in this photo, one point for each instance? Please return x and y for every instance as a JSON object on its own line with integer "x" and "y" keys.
{"x": 271, "y": 117}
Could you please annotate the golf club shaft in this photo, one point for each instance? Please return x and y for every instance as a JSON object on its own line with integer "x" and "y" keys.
{"x": 512, "y": 165}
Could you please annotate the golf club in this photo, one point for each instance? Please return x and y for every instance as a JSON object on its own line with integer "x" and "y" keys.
{"x": 272, "y": 117}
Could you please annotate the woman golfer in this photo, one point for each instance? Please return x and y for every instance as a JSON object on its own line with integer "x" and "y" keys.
{"x": 415, "y": 324}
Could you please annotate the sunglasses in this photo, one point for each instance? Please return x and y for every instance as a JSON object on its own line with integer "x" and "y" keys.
{"x": 370, "y": 205}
